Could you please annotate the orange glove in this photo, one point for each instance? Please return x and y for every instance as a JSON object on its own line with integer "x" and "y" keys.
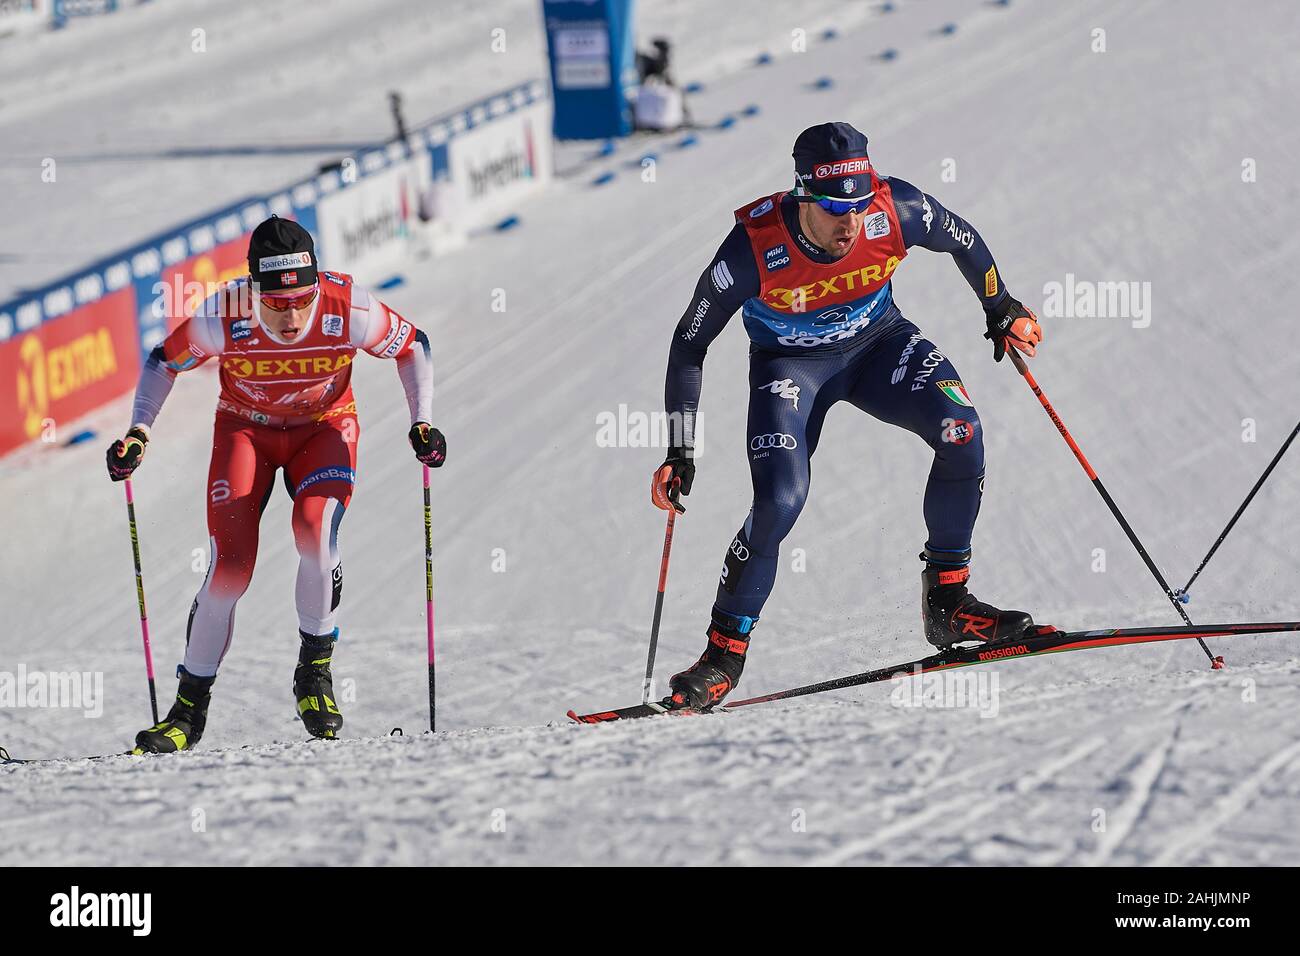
{"x": 673, "y": 478}
{"x": 1013, "y": 324}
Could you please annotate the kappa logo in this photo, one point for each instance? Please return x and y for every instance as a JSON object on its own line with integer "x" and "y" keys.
{"x": 784, "y": 388}
{"x": 332, "y": 325}
{"x": 778, "y": 440}
{"x": 877, "y": 225}
{"x": 721, "y": 278}
{"x": 764, "y": 207}
{"x": 928, "y": 216}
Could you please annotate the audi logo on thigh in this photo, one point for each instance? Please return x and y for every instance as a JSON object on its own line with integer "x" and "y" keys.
{"x": 739, "y": 550}
{"x": 759, "y": 442}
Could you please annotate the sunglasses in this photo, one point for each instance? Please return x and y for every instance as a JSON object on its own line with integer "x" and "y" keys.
{"x": 283, "y": 303}
{"x": 842, "y": 207}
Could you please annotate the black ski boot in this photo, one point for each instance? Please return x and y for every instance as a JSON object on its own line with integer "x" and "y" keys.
{"x": 182, "y": 728}
{"x": 703, "y": 685}
{"x": 313, "y": 686}
{"x": 953, "y": 615}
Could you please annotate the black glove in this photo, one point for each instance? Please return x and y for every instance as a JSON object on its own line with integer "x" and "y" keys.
{"x": 672, "y": 478}
{"x": 1010, "y": 322}
{"x": 430, "y": 447}
{"x": 125, "y": 454}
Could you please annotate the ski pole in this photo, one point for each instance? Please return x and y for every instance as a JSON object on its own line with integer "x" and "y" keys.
{"x": 139, "y": 594}
{"x": 1182, "y": 594}
{"x": 659, "y": 607}
{"x": 428, "y": 591}
{"x": 1023, "y": 369}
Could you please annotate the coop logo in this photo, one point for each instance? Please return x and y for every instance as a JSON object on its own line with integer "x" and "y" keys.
{"x": 274, "y": 368}
{"x": 778, "y": 257}
{"x": 845, "y": 167}
{"x": 779, "y": 440}
{"x": 839, "y": 335}
{"x": 73, "y": 909}
{"x": 763, "y": 207}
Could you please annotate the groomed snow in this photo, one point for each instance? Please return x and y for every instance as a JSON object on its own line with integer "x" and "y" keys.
{"x": 1116, "y": 166}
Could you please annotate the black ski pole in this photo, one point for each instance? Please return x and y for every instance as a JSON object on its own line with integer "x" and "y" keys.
{"x": 1023, "y": 369}
{"x": 428, "y": 596}
{"x": 1182, "y": 593}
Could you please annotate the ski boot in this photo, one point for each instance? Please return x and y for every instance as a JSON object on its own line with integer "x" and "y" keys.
{"x": 953, "y": 615}
{"x": 183, "y": 726}
{"x": 703, "y": 685}
{"x": 313, "y": 686}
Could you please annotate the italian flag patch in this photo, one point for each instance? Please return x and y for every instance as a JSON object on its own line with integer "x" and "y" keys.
{"x": 956, "y": 391}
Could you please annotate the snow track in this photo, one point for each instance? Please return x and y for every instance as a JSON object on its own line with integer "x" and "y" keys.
{"x": 1122, "y": 166}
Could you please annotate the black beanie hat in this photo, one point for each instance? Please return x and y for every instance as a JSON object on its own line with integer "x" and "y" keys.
{"x": 281, "y": 255}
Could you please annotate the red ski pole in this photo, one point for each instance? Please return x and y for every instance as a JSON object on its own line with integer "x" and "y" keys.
{"x": 659, "y": 607}
{"x": 1023, "y": 369}
{"x": 139, "y": 594}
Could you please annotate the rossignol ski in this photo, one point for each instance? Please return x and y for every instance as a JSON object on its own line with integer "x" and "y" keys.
{"x": 1046, "y": 641}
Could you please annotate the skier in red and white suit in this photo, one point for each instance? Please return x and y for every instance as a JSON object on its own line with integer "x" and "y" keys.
{"x": 285, "y": 339}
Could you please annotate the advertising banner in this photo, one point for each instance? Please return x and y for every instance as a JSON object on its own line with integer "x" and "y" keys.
{"x": 67, "y": 367}
{"x": 497, "y": 165}
{"x": 593, "y": 64}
